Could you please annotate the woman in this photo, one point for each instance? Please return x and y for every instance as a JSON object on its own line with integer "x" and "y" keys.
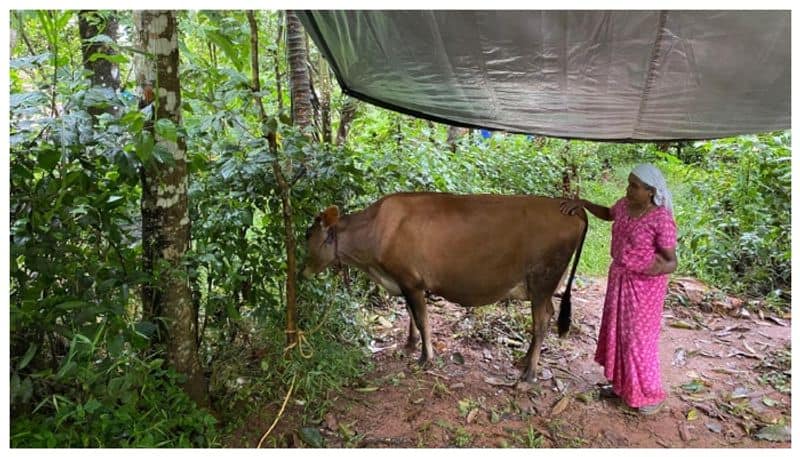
{"x": 643, "y": 239}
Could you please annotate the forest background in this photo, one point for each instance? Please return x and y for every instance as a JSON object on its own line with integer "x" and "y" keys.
{"x": 154, "y": 240}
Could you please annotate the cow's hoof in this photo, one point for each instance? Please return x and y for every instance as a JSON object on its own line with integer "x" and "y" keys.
{"x": 424, "y": 361}
{"x": 528, "y": 376}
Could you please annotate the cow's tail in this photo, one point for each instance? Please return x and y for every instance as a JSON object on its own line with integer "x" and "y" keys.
{"x": 565, "y": 310}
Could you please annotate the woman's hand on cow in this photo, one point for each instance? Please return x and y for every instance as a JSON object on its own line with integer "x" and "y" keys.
{"x": 568, "y": 207}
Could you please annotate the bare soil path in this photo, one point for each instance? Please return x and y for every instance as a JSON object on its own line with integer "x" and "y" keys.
{"x": 727, "y": 373}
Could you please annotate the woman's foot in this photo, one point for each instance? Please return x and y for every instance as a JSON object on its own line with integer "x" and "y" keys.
{"x": 649, "y": 410}
{"x": 606, "y": 391}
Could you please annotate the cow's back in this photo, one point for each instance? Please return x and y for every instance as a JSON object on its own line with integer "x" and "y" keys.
{"x": 473, "y": 248}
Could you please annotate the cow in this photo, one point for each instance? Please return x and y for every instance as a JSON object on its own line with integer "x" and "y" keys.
{"x": 470, "y": 249}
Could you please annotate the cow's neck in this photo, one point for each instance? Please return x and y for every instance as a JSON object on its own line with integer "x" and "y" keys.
{"x": 355, "y": 240}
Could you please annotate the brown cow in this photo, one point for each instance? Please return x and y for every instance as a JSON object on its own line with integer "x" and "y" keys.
{"x": 470, "y": 249}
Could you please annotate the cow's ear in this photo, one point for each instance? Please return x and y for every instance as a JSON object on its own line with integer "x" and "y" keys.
{"x": 330, "y": 216}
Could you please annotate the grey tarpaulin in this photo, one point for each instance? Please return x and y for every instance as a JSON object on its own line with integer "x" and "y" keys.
{"x": 605, "y": 75}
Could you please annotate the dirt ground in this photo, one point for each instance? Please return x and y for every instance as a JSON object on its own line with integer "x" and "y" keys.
{"x": 727, "y": 372}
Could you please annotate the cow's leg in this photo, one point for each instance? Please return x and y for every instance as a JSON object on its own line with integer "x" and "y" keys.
{"x": 415, "y": 300}
{"x": 413, "y": 334}
{"x": 541, "y": 312}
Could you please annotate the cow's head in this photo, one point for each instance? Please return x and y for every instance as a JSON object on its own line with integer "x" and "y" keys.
{"x": 321, "y": 241}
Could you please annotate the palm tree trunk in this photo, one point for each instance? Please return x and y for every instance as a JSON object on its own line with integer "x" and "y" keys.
{"x": 301, "y": 87}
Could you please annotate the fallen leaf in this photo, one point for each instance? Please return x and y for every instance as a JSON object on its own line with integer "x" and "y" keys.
{"x": 311, "y": 436}
{"x": 715, "y": 427}
{"x": 545, "y": 374}
{"x": 472, "y": 415}
{"x": 777, "y": 321}
{"x": 464, "y": 407}
{"x": 586, "y": 396}
{"x": 560, "y": 406}
{"x": 345, "y": 431}
{"x": 383, "y": 322}
{"x": 679, "y": 359}
{"x": 769, "y": 402}
{"x": 683, "y": 430}
{"x": 692, "y": 415}
{"x": 740, "y": 392}
{"x": 559, "y": 385}
{"x": 495, "y": 417}
{"x": 457, "y": 358}
{"x": 366, "y": 389}
{"x": 330, "y": 421}
{"x": 683, "y": 324}
{"x": 746, "y": 346}
{"x": 458, "y": 385}
{"x": 777, "y": 433}
{"x": 498, "y": 382}
{"x": 696, "y": 385}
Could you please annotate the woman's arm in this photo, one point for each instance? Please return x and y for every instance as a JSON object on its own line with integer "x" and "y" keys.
{"x": 602, "y": 212}
{"x": 665, "y": 262}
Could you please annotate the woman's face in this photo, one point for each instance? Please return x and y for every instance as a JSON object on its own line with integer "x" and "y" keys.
{"x": 637, "y": 192}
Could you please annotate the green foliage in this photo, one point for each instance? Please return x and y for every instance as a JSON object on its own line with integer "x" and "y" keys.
{"x": 111, "y": 401}
{"x": 84, "y": 370}
{"x": 739, "y": 229}
{"x": 251, "y": 372}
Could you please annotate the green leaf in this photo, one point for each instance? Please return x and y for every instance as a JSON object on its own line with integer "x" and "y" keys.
{"x": 166, "y": 129}
{"x": 769, "y": 402}
{"x": 776, "y": 433}
{"x": 48, "y": 158}
{"x": 92, "y": 405}
{"x": 311, "y": 436}
{"x": 113, "y": 58}
{"x": 26, "y": 359}
{"x": 144, "y": 147}
{"x": 72, "y": 304}
{"x": 227, "y": 47}
{"x": 115, "y": 346}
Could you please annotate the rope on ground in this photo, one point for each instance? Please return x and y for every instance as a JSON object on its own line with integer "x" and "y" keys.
{"x": 301, "y": 339}
{"x": 280, "y": 413}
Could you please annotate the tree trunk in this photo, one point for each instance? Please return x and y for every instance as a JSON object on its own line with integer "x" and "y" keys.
{"x": 276, "y": 62}
{"x": 104, "y": 73}
{"x": 346, "y": 117}
{"x": 301, "y": 86}
{"x": 285, "y": 192}
{"x": 90, "y": 25}
{"x": 164, "y": 202}
{"x": 453, "y": 134}
{"x": 324, "y": 100}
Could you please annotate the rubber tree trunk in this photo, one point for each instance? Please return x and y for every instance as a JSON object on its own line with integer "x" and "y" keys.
{"x": 165, "y": 201}
{"x": 104, "y": 73}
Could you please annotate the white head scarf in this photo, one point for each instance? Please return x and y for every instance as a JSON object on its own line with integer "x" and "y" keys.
{"x": 651, "y": 176}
